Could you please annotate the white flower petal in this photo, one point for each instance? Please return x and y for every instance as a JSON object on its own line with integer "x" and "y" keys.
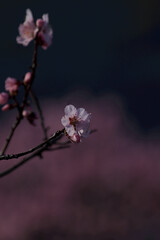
{"x": 45, "y": 17}
{"x": 83, "y": 128}
{"x": 29, "y": 16}
{"x": 82, "y": 115}
{"x": 70, "y": 111}
{"x": 48, "y": 35}
{"x": 70, "y": 130}
{"x": 65, "y": 121}
{"x": 26, "y": 30}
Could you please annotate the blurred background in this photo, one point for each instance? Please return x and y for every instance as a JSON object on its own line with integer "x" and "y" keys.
{"x": 104, "y": 57}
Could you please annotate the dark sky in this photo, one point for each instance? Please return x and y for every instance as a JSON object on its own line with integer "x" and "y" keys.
{"x": 100, "y": 46}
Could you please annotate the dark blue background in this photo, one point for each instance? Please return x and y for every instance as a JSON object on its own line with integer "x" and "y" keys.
{"x": 99, "y": 46}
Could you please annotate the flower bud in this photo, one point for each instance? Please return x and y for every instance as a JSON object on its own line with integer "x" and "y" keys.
{"x": 4, "y": 98}
{"x": 40, "y": 23}
{"x": 75, "y": 138}
{"x": 11, "y": 85}
{"x": 27, "y": 78}
{"x": 30, "y": 116}
{"x": 6, "y": 107}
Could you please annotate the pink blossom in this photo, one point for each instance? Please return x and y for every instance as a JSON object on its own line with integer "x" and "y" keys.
{"x": 6, "y": 107}
{"x": 4, "y": 98}
{"x": 11, "y": 85}
{"x": 27, "y": 78}
{"x": 76, "y": 123}
{"x": 45, "y": 34}
{"x": 75, "y": 138}
{"x": 27, "y": 30}
{"x": 40, "y": 23}
{"x": 30, "y": 115}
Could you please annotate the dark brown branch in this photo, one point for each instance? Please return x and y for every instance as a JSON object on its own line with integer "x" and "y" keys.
{"x": 25, "y": 160}
{"x": 27, "y": 89}
{"x": 33, "y": 71}
{"x": 45, "y": 144}
{"x": 36, "y": 101}
{"x": 15, "y": 125}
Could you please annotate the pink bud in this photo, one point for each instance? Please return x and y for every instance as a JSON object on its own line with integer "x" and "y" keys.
{"x": 31, "y": 116}
{"x": 75, "y": 138}
{"x": 25, "y": 113}
{"x": 11, "y": 85}
{"x": 45, "y": 33}
{"x": 4, "y": 98}
{"x": 40, "y": 23}
{"x": 6, "y": 107}
{"x": 27, "y": 78}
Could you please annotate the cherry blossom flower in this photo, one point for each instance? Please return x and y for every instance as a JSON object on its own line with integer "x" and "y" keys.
{"x": 4, "y": 98}
{"x": 11, "y": 85}
{"x": 27, "y": 30}
{"x": 27, "y": 78}
{"x": 76, "y": 123}
{"x": 45, "y": 33}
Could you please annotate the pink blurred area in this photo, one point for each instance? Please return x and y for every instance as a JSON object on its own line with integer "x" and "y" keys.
{"x": 104, "y": 188}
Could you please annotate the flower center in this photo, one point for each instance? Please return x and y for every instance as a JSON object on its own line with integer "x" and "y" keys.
{"x": 73, "y": 121}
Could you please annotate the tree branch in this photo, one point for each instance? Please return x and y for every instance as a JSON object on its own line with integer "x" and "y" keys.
{"x": 15, "y": 125}
{"x": 45, "y": 144}
{"x": 27, "y": 89}
{"x": 25, "y": 160}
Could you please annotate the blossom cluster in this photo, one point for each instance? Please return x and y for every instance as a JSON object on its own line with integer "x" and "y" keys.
{"x": 8, "y": 98}
{"x": 76, "y": 122}
{"x": 11, "y": 86}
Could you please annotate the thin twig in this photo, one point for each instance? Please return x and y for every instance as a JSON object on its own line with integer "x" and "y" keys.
{"x": 25, "y": 160}
{"x": 33, "y": 71}
{"x": 17, "y": 104}
{"x": 56, "y": 136}
{"x": 27, "y": 89}
{"x": 15, "y": 125}
{"x": 37, "y": 103}
{"x": 45, "y": 146}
